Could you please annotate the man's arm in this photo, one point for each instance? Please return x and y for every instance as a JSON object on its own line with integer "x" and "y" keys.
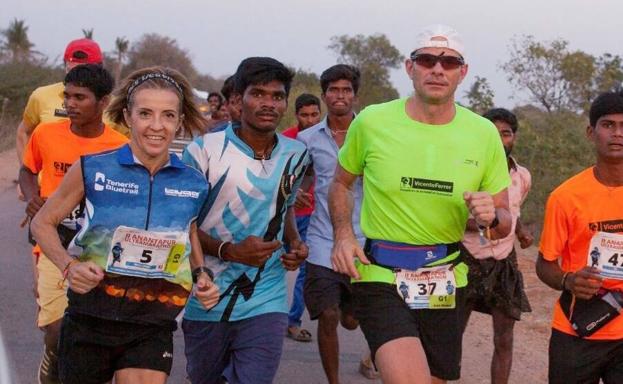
{"x": 485, "y": 208}
{"x": 30, "y": 188}
{"x": 21, "y": 139}
{"x": 524, "y": 235}
{"x": 82, "y": 276}
{"x": 303, "y": 196}
{"x": 345, "y": 246}
{"x": 298, "y": 251}
{"x": 584, "y": 283}
{"x": 253, "y": 250}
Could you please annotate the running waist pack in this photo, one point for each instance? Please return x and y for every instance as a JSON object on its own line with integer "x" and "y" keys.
{"x": 394, "y": 255}
{"x": 589, "y": 316}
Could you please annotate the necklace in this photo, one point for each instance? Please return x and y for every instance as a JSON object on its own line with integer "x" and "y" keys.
{"x": 261, "y": 156}
{"x": 335, "y": 132}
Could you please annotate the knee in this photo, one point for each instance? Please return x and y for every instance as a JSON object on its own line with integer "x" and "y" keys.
{"x": 349, "y": 322}
{"x": 329, "y": 319}
{"x": 503, "y": 341}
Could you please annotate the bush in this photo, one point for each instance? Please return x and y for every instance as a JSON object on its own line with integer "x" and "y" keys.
{"x": 554, "y": 147}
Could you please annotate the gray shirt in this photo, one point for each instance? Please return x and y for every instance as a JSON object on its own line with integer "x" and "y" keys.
{"x": 323, "y": 154}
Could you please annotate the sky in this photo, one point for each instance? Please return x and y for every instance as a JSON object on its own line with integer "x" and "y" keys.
{"x": 219, "y": 34}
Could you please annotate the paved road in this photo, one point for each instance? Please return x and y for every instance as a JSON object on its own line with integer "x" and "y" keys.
{"x": 300, "y": 362}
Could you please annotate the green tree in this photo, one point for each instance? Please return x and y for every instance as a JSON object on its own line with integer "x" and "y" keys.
{"x": 480, "y": 96}
{"x": 374, "y": 56}
{"x": 303, "y": 82}
{"x": 16, "y": 42}
{"x": 88, "y": 33}
{"x": 121, "y": 53}
{"x": 154, "y": 49}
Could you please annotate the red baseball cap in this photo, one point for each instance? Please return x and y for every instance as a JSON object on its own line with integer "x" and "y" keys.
{"x": 83, "y": 51}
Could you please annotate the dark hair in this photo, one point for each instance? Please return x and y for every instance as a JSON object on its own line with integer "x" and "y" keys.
{"x": 220, "y": 97}
{"x": 504, "y": 115}
{"x": 227, "y": 89}
{"x": 304, "y": 100}
{"x": 261, "y": 70}
{"x": 92, "y": 76}
{"x": 193, "y": 118}
{"x": 607, "y": 103}
{"x": 340, "y": 72}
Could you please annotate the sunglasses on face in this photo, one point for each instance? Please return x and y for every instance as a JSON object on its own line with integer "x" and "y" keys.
{"x": 427, "y": 60}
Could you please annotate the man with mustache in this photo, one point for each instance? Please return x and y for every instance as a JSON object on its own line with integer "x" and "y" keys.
{"x": 328, "y": 293}
{"x": 495, "y": 281}
{"x": 253, "y": 174}
{"x": 427, "y": 163}
{"x": 584, "y": 213}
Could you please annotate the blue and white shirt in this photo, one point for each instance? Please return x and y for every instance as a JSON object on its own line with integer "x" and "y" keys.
{"x": 248, "y": 197}
{"x": 323, "y": 151}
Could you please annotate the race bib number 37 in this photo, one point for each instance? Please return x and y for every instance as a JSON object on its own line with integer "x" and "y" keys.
{"x": 606, "y": 253}
{"x": 427, "y": 288}
{"x": 153, "y": 255}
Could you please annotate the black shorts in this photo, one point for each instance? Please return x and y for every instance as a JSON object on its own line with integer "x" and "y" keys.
{"x": 384, "y": 316}
{"x": 495, "y": 284}
{"x": 92, "y": 349}
{"x": 576, "y": 360}
{"x": 324, "y": 288}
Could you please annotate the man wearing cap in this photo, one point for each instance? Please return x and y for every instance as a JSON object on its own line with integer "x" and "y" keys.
{"x": 427, "y": 164}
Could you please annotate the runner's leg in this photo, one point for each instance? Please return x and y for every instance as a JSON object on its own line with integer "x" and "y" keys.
{"x": 140, "y": 376}
{"x": 403, "y": 361}
{"x": 503, "y": 346}
{"x": 328, "y": 343}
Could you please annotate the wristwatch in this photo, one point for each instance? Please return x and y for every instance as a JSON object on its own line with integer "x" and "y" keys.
{"x": 197, "y": 271}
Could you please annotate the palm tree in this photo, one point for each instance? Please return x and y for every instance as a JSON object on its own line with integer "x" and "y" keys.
{"x": 17, "y": 43}
{"x": 88, "y": 33}
{"x": 121, "y": 50}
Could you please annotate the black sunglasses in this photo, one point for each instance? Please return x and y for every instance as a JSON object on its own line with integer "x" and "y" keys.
{"x": 427, "y": 60}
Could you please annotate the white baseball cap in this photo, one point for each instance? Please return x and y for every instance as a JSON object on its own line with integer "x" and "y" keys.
{"x": 439, "y": 36}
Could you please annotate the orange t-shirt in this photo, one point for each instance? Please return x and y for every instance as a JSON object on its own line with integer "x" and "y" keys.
{"x": 575, "y": 211}
{"x": 53, "y": 148}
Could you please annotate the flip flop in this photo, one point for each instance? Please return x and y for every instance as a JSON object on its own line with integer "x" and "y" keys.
{"x": 299, "y": 334}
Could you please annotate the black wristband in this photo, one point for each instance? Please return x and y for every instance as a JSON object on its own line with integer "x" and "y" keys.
{"x": 197, "y": 271}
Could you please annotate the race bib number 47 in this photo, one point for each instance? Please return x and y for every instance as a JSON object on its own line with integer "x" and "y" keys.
{"x": 428, "y": 288}
{"x": 606, "y": 254}
{"x": 153, "y": 255}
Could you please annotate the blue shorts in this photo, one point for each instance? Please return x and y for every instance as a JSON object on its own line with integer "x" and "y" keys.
{"x": 241, "y": 352}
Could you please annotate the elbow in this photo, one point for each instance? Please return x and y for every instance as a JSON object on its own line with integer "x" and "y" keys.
{"x": 36, "y": 228}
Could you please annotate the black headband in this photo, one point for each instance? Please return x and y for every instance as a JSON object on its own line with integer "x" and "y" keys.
{"x": 154, "y": 75}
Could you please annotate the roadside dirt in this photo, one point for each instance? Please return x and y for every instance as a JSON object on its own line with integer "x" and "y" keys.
{"x": 531, "y": 334}
{"x": 8, "y": 169}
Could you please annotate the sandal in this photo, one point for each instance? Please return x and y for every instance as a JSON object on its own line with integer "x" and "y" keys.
{"x": 299, "y": 334}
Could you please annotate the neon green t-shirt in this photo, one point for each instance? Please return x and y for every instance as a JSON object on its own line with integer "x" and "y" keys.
{"x": 415, "y": 174}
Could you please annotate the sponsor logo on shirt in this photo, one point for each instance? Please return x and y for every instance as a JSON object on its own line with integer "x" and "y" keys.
{"x": 471, "y": 162}
{"x": 60, "y": 168}
{"x": 59, "y": 112}
{"x": 102, "y": 183}
{"x": 177, "y": 193}
{"x": 167, "y": 355}
{"x": 414, "y": 184}
{"x": 610, "y": 226}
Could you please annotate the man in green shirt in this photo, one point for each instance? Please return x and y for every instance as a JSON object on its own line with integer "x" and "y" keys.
{"x": 427, "y": 164}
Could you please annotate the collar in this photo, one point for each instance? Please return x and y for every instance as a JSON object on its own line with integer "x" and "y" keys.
{"x": 126, "y": 157}
{"x": 512, "y": 162}
{"x": 230, "y": 135}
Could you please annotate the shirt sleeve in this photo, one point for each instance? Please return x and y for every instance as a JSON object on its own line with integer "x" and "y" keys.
{"x": 32, "y": 155}
{"x": 352, "y": 154}
{"x": 195, "y": 156}
{"x": 496, "y": 176}
{"x": 32, "y": 111}
{"x": 555, "y": 230}
{"x": 300, "y": 173}
{"x": 525, "y": 185}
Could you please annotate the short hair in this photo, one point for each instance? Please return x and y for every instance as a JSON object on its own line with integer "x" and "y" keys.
{"x": 607, "y": 103}
{"x": 261, "y": 70}
{"x": 340, "y": 72}
{"x": 92, "y": 76}
{"x": 304, "y": 100}
{"x": 227, "y": 90}
{"x": 220, "y": 97}
{"x": 504, "y": 115}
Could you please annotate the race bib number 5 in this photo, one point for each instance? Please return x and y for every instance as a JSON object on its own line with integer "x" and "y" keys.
{"x": 428, "y": 288}
{"x": 606, "y": 254}
{"x": 153, "y": 255}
